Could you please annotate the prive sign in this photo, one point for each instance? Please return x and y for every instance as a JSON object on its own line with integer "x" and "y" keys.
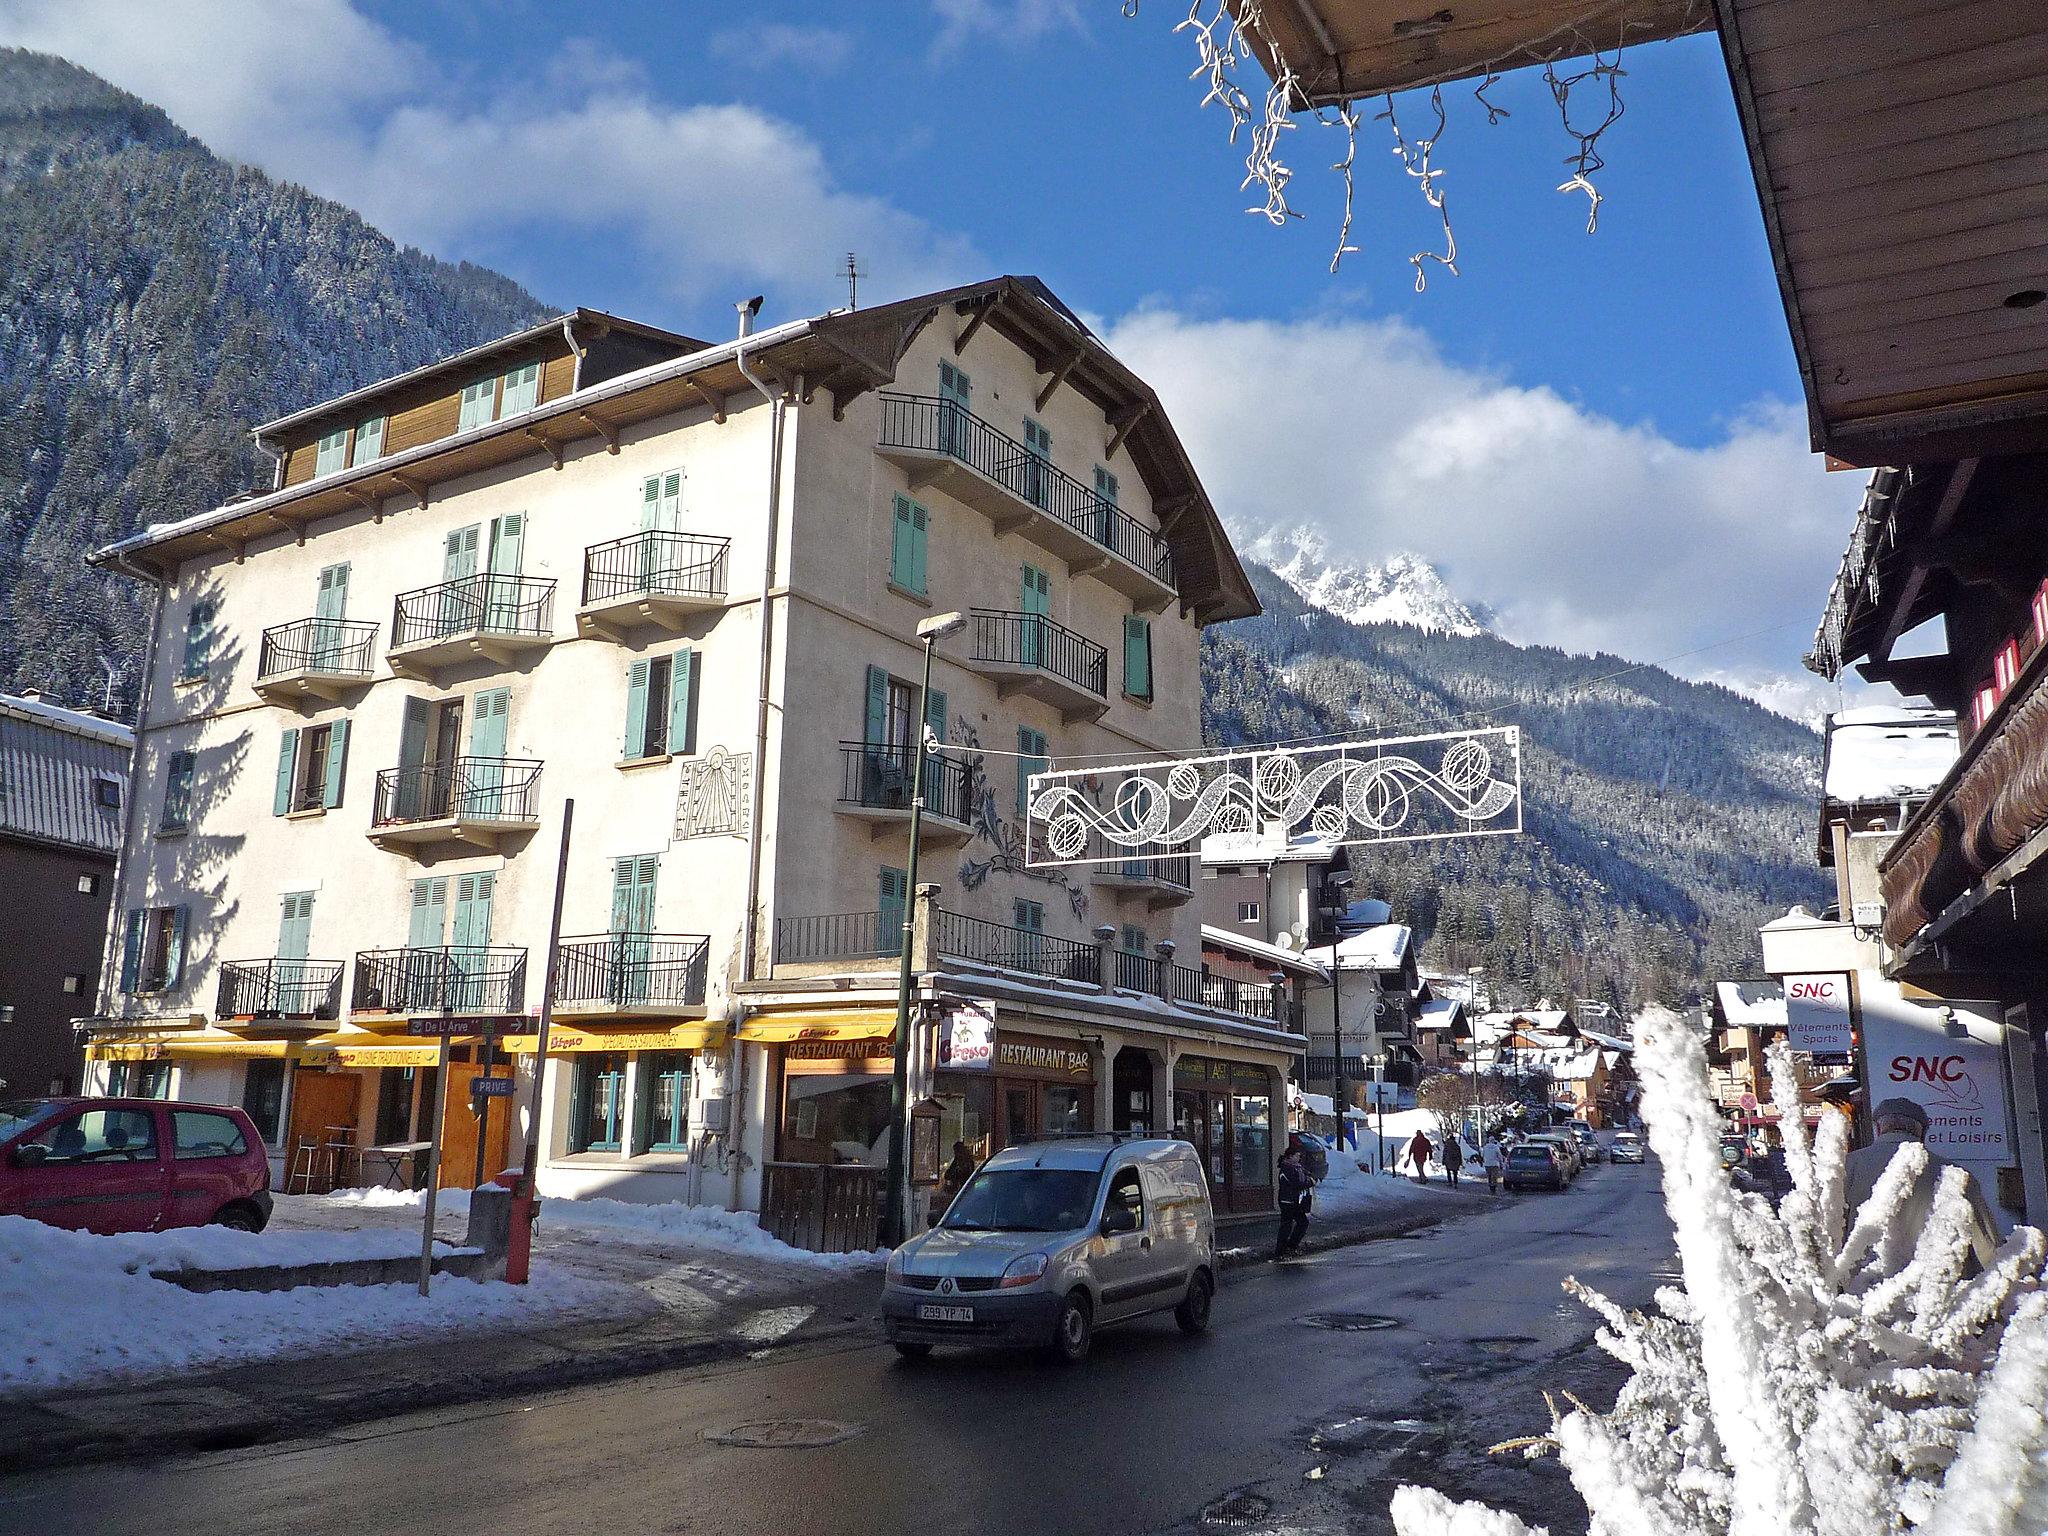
{"x": 1817, "y": 1014}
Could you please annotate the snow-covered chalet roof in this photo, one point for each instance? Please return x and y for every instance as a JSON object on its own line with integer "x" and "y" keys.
{"x": 1383, "y": 947}
{"x": 1887, "y": 754}
{"x": 1751, "y": 1004}
{"x": 1291, "y": 959}
{"x": 1443, "y": 1013}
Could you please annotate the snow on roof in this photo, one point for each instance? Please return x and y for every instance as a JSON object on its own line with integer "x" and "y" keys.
{"x": 1548, "y": 1021}
{"x": 1442, "y": 1013}
{"x": 1751, "y": 1004}
{"x": 1607, "y": 1042}
{"x": 1293, "y": 959}
{"x": 1383, "y": 947}
{"x": 1887, "y": 754}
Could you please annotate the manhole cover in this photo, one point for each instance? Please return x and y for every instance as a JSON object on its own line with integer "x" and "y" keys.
{"x": 783, "y": 1434}
{"x": 1236, "y": 1510}
{"x": 1351, "y": 1322}
{"x": 1503, "y": 1344}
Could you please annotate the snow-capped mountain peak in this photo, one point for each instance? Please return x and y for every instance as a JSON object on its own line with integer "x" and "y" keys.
{"x": 1403, "y": 589}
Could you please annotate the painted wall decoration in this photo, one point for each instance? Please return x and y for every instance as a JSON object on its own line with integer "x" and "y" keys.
{"x": 1010, "y": 855}
{"x": 715, "y": 797}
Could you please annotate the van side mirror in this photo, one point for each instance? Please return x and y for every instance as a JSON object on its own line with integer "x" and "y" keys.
{"x": 30, "y": 1154}
{"x": 1118, "y": 1219}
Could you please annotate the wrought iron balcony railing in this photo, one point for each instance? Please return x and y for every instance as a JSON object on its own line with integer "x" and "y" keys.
{"x": 629, "y": 970}
{"x": 490, "y": 603}
{"x": 448, "y": 978}
{"x": 1017, "y": 639}
{"x": 279, "y": 989}
{"x": 656, "y": 563}
{"x": 485, "y": 789}
{"x": 928, "y": 424}
{"x": 878, "y": 778}
{"x": 837, "y": 936}
{"x": 330, "y": 647}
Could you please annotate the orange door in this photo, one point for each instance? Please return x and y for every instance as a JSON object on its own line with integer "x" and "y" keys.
{"x": 458, "y": 1169}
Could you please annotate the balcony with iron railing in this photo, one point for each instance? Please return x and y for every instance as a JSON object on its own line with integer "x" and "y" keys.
{"x": 445, "y": 978}
{"x": 1163, "y": 879}
{"x": 279, "y": 988}
{"x": 323, "y": 658}
{"x": 943, "y": 443}
{"x": 1030, "y": 653}
{"x": 476, "y": 800}
{"x": 628, "y": 974}
{"x": 656, "y": 577}
{"x": 495, "y": 616}
{"x": 875, "y": 784}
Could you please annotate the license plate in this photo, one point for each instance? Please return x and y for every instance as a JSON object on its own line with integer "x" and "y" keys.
{"x": 928, "y": 1312}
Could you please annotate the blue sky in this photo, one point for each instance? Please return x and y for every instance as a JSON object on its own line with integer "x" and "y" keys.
{"x": 1597, "y": 436}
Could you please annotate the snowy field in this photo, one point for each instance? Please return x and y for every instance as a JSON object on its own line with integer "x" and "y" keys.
{"x": 77, "y": 1307}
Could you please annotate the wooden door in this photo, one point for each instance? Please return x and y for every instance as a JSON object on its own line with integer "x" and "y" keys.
{"x": 458, "y": 1167}
{"x": 321, "y": 1103}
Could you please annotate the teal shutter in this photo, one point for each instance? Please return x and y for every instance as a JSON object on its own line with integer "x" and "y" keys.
{"x": 369, "y": 440}
{"x": 899, "y": 545}
{"x": 487, "y": 727}
{"x": 458, "y": 557}
{"x": 479, "y": 401}
{"x": 508, "y": 543}
{"x": 429, "y": 913}
{"x": 935, "y": 713}
{"x": 337, "y": 760}
{"x": 131, "y": 948}
{"x": 175, "y": 970}
{"x": 875, "y": 728}
{"x": 331, "y": 602}
{"x": 633, "y": 883}
{"x": 650, "y": 503}
{"x": 287, "y": 760}
{"x": 178, "y": 775}
{"x": 473, "y": 911}
{"x": 522, "y": 389}
{"x": 295, "y": 926}
{"x": 636, "y": 708}
{"x": 199, "y": 638}
{"x": 1138, "y": 657}
{"x": 412, "y": 733}
{"x": 895, "y": 896}
{"x": 682, "y": 704}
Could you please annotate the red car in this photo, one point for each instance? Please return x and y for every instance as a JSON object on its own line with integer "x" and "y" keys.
{"x": 131, "y": 1165}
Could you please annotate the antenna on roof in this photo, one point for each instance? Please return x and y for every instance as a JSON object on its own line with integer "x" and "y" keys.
{"x": 853, "y": 277}
{"x": 113, "y": 671}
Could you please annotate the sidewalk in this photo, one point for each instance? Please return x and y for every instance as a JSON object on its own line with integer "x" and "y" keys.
{"x": 759, "y": 1312}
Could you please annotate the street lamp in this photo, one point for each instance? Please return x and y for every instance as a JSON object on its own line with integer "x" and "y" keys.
{"x": 1339, "y": 881}
{"x": 930, "y": 632}
{"x": 1378, "y": 1062}
{"x": 1475, "y": 977}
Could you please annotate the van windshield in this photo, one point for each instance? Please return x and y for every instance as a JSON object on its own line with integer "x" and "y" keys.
{"x": 1024, "y": 1200}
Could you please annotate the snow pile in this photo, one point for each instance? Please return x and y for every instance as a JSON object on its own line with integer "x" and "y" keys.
{"x": 221, "y": 1248}
{"x": 77, "y": 1307}
{"x": 1823, "y": 1373}
{"x": 1888, "y": 754}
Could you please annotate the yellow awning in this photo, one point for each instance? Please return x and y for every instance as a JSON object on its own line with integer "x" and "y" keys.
{"x": 369, "y": 1051}
{"x": 202, "y": 1050}
{"x": 820, "y": 1024}
{"x": 125, "y": 1050}
{"x": 566, "y": 1039}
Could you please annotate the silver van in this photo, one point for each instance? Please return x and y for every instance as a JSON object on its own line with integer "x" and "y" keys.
{"x": 1053, "y": 1239}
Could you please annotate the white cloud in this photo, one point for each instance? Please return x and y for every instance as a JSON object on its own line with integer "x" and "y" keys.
{"x": 1578, "y": 530}
{"x": 777, "y": 45}
{"x": 1005, "y": 21}
{"x": 712, "y": 196}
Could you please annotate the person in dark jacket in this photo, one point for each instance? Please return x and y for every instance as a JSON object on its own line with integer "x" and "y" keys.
{"x": 1295, "y": 1195}
{"x": 1419, "y": 1154}
{"x": 1452, "y": 1157}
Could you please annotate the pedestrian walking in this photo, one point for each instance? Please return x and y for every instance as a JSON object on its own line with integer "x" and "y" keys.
{"x": 1453, "y": 1158}
{"x": 1896, "y": 1122}
{"x": 1295, "y": 1194}
{"x": 1419, "y": 1154}
{"x": 1494, "y": 1160}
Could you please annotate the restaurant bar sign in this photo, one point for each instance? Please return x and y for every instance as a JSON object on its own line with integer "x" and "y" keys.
{"x": 1817, "y": 1014}
{"x": 1029, "y": 1056}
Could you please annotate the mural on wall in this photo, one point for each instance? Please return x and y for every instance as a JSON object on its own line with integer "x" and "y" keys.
{"x": 715, "y": 796}
{"x": 1011, "y": 855}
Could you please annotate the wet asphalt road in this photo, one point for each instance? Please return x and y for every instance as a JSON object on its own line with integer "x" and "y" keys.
{"x": 1269, "y": 1423}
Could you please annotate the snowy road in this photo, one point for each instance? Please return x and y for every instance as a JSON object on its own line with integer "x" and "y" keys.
{"x": 1304, "y": 1427}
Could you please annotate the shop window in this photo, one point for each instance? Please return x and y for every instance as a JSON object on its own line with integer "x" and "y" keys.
{"x": 263, "y": 1097}
{"x": 665, "y": 1102}
{"x": 1066, "y": 1111}
{"x": 598, "y": 1103}
{"x": 1251, "y": 1140}
{"x": 394, "y": 1105}
{"x": 139, "y": 1080}
{"x": 836, "y": 1116}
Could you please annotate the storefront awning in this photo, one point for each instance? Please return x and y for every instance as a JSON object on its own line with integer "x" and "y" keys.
{"x": 368, "y": 1051}
{"x": 244, "y": 1050}
{"x": 568, "y": 1039}
{"x": 186, "y": 1046}
{"x": 820, "y": 1024}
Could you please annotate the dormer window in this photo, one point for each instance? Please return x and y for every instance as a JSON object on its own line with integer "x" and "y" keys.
{"x": 522, "y": 390}
{"x": 369, "y": 441}
{"x": 332, "y": 454}
{"x": 479, "y": 404}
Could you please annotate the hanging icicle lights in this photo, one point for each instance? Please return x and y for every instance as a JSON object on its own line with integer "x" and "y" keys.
{"x": 1224, "y": 35}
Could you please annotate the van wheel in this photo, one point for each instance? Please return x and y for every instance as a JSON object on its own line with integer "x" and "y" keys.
{"x": 238, "y": 1218}
{"x": 1074, "y": 1329}
{"x": 1193, "y": 1312}
{"x": 912, "y": 1351}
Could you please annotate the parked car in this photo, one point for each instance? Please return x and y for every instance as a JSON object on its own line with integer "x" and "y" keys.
{"x": 1567, "y": 1150}
{"x": 1536, "y": 1164}
{"x": 1627, "y": 1148}
{"x": 1051, "y": 1240}
{"x": 1590, "y": 1149}
{"x": 132, "y": 1165}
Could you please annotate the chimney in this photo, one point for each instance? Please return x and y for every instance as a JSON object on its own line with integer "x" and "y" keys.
{"x": 748, "y": 311}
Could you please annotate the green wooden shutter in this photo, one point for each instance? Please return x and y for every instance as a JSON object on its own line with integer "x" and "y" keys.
{"x": 479, "y": 401}
{"x": 175, "y": 971}
{"x": 412, "y": 733}
{"x": 131, "y": 948}
{"x": 178, "y": 775}
{"x": 332, "y": 453}
{"x": 682, "y": 704}
{"x": 650, "y": 502}
{"x": 508, "y": 543}
{"x": 295, "y": 926}
{"x": 1138, "y": 657}
{"x": 875, "y": 728}
{"x": 429, "y": 913}
{"x": 935, "y": 715}
{"x": 369, "y": 441}
{"x": 522, "y": 389}
{"x": 331, "y": 602}
{"x": 900, "y": 559}
{"x": 473, "y": 910}
{"x": 633, "y": 882}
{"x": 489, "y": 723}
{"x": 636, "y": 708}
{"x": 458, "y": 556}
{"x": 199, "y": 637}
{"x": 895, "y": 894}
{"x": 337, "y": 760}
{"x": 287, "y": 760}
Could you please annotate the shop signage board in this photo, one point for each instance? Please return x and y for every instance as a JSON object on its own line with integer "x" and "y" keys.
{"x": 970, "y": 1041}
{"x": 1035, "y": 1056}
{"x": 492, "y": 1087}
{"x": 1945, "y": 1057}
{"x": 452, "y": 1024}
{"x": 1817, "y": 1015}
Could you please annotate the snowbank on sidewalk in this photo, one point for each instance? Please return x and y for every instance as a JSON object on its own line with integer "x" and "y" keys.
{"x": 1351, "y": 1189}
{"x": 76, "y": 1308}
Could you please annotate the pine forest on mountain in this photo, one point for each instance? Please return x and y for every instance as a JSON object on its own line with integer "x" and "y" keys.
{"x": 156, "y": 302}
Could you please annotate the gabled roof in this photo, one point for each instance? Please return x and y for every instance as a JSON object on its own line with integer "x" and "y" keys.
{"x": 1259, "y": 949}
{"x": 50, "y": 759}
{"x": 1758, "y": 1004}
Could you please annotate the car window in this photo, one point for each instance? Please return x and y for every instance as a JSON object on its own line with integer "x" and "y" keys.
{"x": 101, "y": 1136}
{"x": 1024, "y": 1200}
{"x": 19, "y": 1114}
{"x": 195, "y": 1133}
{"x": 1124, "y": 1190}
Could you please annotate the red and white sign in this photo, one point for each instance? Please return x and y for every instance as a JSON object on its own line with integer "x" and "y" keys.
{"x": 1945, "y": 1057}
{"x": 970, "y": 1042}
{"x": 1817, "y": 1014}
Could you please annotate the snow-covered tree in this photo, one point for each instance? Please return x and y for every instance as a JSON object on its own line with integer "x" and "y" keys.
{"x": 1823, "y": 1372}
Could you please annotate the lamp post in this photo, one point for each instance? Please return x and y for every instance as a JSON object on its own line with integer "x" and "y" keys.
{"x": 1338, "y": 881}
{"x": 1475, "y": 977}
{"x": 930, "y": 632}
{"x": 1378, "y": 1062}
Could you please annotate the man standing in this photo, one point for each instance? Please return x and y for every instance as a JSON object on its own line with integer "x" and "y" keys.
{"x": 1493, "y": 1160}
{"x": 1453, "y": 1158}
{"x": 1294, "y": 1199}
{"x": 1419, "y": 1154}
{"x": 1897, "y": 1122}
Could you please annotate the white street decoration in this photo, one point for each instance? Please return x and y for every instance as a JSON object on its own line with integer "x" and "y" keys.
{"x": 1397, "y": 790}
{"x": 1823, "y": 1373}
